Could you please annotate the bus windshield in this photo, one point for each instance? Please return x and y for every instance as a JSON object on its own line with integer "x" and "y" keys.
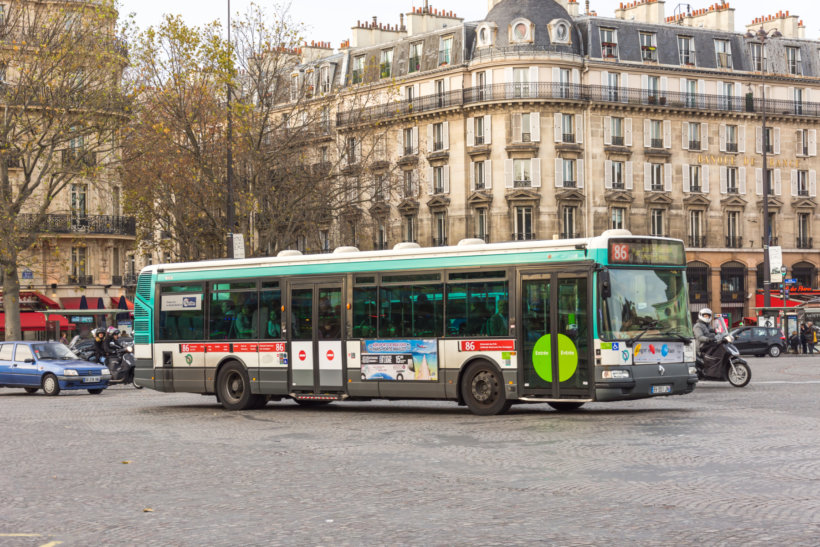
{"x": 646, "y": 300}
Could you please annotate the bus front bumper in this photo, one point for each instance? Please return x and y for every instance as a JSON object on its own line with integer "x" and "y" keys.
{"x": 641, "y": 381}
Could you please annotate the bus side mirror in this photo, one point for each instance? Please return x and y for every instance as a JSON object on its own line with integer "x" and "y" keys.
{"x": 606, "y": 287}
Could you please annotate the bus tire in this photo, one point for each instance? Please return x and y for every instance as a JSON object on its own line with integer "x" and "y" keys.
{"x": 235, "y": 388}
{"x": 565, "y": 406}
{"x": 482, "y": 388}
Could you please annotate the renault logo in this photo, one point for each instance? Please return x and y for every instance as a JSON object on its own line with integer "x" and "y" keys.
{"x": 661, "y": 370}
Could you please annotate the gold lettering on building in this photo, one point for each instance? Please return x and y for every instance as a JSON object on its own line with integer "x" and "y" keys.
{"x": 748, "y": 161}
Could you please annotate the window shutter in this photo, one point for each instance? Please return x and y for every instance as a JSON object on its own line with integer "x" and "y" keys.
{"x": 794, "y": 182}
{"x": 359, "y": 156}
{"x": 664, "y": 85}
{"x": 667, "y": 177}
{"x": 722, "y": 137}
{"x": 446, "y": 85}
{"x": 645, "y": 84}
{"x": 724, "y": 180}
{"x": 516, "y": 127}
{"x": 534, "y": 81}
{"x": 446, "y": 134}
{"x": 777, "y": 140}
{"x": 579, "y": 128}
{"x": 812, "y": 183}
{"x": 430, "y": 181}
{"x": 579, "y": 169}
{"x": 685, "y": 172}
{"x": 704, "y": 136}
{"x": 647, "y": 176}
{"x": 475, "y": 79}
{"x": 535, "y": 169}
{"x": 488, "y": 79}
{"x": 559, "y": 173}
{"x": 759, "y": 181}
{"x": 704, "y": 175}
{"x": 628, "y": 131}
{"x": 608, "y": 174}
{"x": 445, "y": 175}
{"x": 759, "y": 140}
{"x": 429, "y": 138}
{"x": 607, "y": 130}
{"x": 604, "y": 79}
{"x": 741, "y": 172}
{"x": 778, "y": 187}
{"x": 667, "y": 134}
{"x": 685, "y": 135}
{"x": 488, "y": 129}
{"x": 576, "y": 77}
{"x": 535, "y": 126}
{"x": 812, "y": 142}
{"x": 472, "y": 176}
{"x": 470, "y": 131}
{"x": 557, "y": 129}
{"x": 629, "y": 176}
{"x": 646, "y": 136}
{"x": 488, "y": 174}
{"x": 508, "y": 174}
{"x": 741, "y": 139}
{"x": 683, "y": 86}
{"x": 416, "y": 140}
{"x": 400, "y": 142}
{"x": 556, "y": 79}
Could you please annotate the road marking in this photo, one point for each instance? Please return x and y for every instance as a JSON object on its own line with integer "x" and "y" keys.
{"x": 51, "y": 544}
{"x": 19, "y": 535}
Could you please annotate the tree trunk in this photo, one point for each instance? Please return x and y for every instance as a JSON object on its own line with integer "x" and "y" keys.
{"x": 11, "y": 301}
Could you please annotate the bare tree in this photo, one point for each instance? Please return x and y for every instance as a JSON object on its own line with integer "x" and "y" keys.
{"x": 61, "y": 108}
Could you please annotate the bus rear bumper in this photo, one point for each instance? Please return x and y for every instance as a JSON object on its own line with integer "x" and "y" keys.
{"x": 646, "y": 381}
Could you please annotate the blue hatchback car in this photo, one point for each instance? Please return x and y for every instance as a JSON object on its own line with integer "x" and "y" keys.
{"x": 49, "y": 366}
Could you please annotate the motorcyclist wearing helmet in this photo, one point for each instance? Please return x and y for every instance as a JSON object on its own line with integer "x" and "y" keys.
{"x": 709, "y": 348}
{"x": 112, "y": 344}
{"x": 99, "y": 345}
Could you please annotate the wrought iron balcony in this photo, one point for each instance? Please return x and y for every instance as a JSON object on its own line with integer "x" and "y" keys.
{"x": 734, "y": 242}
{"x": 697, "y": 241}
{"x": 82, "y": 280}
{"x": 805, "y": 243}
{"x": 694, "y": 145}
{"x": 570, "y": 235}
{"x": 569, "y": 138}
{"x": 439, "y": 242}
{"x": 77, "y": 157}
{"x": 76, "y": 224}
{"x": 656, "y": 143}
{"x": 523, "y": 236}
{"x": 731, "y": 147}
{"x": 617, "y": 141}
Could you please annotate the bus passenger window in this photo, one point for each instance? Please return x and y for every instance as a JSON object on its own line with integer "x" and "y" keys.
{"x": 182, "y": 313}
{"x": 477, "y": 309}
{"x": 269, "y": 313}
{"x": 365, "y": 312}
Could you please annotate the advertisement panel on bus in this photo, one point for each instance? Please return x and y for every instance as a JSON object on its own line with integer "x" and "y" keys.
{"x": 400, "y": 360}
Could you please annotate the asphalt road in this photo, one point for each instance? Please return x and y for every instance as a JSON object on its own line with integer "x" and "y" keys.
{"x": 722, "y": 466}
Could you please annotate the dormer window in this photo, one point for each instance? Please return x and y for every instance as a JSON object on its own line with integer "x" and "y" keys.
{"x": 686, "y": 50}
{"x": 486, "y": 34}
{"x": 358, "y": 69}
{"x": 649, "y": 46}
{"x": 445, "y": 51}
{"x": 723, "y": 54}
{"x": 793, "y": 61}
{"x": 609, "y": 43}
{"x": 324, "y": 79}
{"x": 559, "y": 31}
{"x": 520, "y": 31}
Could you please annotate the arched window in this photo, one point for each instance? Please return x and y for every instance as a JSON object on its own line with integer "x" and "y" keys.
{"x": 521, "y": 31}
{"x": 805, "y": 273}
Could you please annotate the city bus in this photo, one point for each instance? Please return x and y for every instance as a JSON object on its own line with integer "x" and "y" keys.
{"x": 562, "y": 322}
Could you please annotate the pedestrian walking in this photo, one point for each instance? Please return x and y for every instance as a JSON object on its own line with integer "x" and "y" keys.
{"x": 804, "y": 338}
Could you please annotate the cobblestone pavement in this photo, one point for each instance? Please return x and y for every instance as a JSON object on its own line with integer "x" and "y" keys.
{"x": 722, "y": 466}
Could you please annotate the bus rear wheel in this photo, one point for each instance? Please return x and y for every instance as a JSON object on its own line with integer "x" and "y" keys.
{"x": 482, "y": 387}
{"x": 234, "y": 388}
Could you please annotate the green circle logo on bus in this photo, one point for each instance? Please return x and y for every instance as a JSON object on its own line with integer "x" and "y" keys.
{"x": 567, "y": 358}
{"x": 189, "y": 358}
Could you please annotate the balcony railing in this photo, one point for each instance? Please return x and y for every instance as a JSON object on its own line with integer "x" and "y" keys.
{"x": 570, "y": 235}
{"x": 694, "y": 145}
{"x": 697, "y": 241}
{"x": 522, "y": 183}
{"x": 805, "y": 243}
{"x": 732, "y": 296}
{"x": 116, "y": 280}
{"x": 586, "y": 93}
{"x": 656, "y": 143}
{"x": 83, "y": 280}
{"x": 618, "y": 185}
{"x": 76, "y": 224}
{"x": 439, "y": 242}
{"x": 523, "y": 236}
{"x": 772, "y": 242}
{"x": 617, "y": 141}
{"x": 734, "y": 242}
{"x": 696, "y": 188}
{"x": 76, "y": 157}
{"x": 731, "y": 147}
{"x": 569, "y": 138}
{"x": 570, "y": 184}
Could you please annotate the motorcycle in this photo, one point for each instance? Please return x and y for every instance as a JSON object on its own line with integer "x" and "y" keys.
{"x": 730, "y": 367}
{"x": 121, "y": 363}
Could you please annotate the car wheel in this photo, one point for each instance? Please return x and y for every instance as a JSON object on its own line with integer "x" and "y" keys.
{"x": 774, "y": 351}
{"x": 235, "y": 389}
{"x": 32, "y": 389}
{"x": 95, "y": 391}
{"x": 565, "y": 407}
{"x": 51, "y": 386}
{"x": 482, "y": 387}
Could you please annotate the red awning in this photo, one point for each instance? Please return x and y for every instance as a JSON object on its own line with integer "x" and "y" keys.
{"x": 116, "y": 302}
{"x": 777, "y": 302}
{"x": 71, "y": 302}
{"x": 34, "y": 299}
{"x": 75, "y": 303}
{"x": 36, "y": 321}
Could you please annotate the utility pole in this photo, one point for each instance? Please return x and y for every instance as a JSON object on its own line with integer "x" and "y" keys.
{"x": 230, "y": 216}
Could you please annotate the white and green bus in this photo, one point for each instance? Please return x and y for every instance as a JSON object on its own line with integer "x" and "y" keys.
{"x": 562, "y": 322}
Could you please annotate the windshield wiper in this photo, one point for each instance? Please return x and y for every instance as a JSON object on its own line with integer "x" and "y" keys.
{"x": 679, "y": 336}
{"x": 651, "y": 325}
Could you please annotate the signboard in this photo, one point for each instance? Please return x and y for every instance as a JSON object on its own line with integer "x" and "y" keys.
{"x": 790, "y": 281}
{"x": 646, "y": 252}
{"x": 181, "y": 302}
{"x": 238, "y": 244}
{"x": 393, "y": 360}
{"x": 81, "y": 319}
{"x": 775, "y": 263}
{"x": 658, "y": 352}
{"x": 28, "y": 274}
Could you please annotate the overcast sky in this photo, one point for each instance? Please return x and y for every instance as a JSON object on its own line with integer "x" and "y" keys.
{"x": 330, "y": 20}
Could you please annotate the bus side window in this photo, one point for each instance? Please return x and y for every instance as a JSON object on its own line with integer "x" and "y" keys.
{"x": 365, "y": 312}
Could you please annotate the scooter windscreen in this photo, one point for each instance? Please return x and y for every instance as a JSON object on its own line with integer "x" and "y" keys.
{"x": 720, "y": 325}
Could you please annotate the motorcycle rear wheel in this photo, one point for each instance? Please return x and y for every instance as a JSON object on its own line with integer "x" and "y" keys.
{"x": 740, "y": 375}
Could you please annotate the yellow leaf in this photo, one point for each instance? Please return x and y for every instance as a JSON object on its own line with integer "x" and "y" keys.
{"x": 126, "y": 461}
{"x": 147, "y": 510}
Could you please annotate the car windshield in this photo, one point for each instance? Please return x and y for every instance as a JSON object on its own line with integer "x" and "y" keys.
{"x": 652, "y": 302}
{"x": 52, "y": 350}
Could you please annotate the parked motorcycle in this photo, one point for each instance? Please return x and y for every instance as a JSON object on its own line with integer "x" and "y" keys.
{"x": 730, "y": 366}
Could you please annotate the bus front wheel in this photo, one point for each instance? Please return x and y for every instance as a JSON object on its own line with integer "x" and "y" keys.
{"x": 235, "y": 388}
{"x": 482, "y": 387}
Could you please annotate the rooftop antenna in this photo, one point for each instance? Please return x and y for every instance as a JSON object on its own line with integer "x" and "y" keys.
{"x": 679, "y": 11}
{"x": 587, "y": 7}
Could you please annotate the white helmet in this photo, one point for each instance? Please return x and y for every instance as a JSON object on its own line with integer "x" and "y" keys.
{"x": 705, "y": 315}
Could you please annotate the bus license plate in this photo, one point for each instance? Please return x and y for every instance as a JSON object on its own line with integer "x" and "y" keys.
{"x": 665, "y": 388}
{"x": 91, "y": 379}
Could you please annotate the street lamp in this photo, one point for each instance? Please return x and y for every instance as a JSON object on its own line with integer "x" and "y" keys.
{"x": 762, "y": 36}
{"x": 229, "y": 175}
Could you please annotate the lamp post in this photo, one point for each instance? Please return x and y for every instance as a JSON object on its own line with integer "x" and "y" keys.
{"x": 229, "y": 175}
{"x": 762, "y": 36}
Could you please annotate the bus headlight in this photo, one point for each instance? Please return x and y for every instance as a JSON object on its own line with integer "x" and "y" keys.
{"x": 615, "y": 374}
{"x": 693, "y": 371}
